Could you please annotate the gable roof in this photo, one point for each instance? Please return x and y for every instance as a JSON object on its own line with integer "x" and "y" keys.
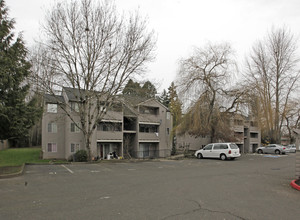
{"x": 55, "y": 99}
{"x": 73, "y": 94}
{"x": 150, "y": 102}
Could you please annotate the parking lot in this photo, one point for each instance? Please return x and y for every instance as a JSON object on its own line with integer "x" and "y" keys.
{"x": 251, "y": 187}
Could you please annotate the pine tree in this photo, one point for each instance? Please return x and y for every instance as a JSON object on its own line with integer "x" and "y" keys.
{"x": 164, "y": 98}
{"x": 175, "y": 105}
{"x": 134, "y": 89}
{"x": 16, "y": 115}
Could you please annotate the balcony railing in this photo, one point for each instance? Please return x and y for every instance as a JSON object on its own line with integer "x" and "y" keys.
{"x": 150, "y": 154}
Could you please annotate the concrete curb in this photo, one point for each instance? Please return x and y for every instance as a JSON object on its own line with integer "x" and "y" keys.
{"x": 10, "y": 175}
{"x": 295, "y": 185}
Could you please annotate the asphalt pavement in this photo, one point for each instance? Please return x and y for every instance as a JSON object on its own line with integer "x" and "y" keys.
{"x": 251, "y": 187}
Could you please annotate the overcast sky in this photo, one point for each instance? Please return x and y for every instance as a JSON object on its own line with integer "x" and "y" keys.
{"x": 182, "y": 24}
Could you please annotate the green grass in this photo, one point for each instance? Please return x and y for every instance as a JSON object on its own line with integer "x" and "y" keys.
{"x": 18, "y": 156}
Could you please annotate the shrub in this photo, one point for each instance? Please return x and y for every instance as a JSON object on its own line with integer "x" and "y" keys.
{"x": 173, "y": 151}
{"x": 81, "y": 156}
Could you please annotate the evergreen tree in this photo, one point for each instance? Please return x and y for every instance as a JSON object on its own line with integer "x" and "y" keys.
{"x": 148, "y": 90}
{"x": 175, "y": 105}
{"x": 164, "y": 98}
{"x": 134, "y": 89}
{"x": 16, "y": 115}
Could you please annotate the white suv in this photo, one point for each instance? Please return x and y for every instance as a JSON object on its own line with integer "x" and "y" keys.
{"x": 219, "y": 150}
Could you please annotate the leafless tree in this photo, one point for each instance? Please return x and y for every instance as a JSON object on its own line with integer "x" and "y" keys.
{"x": 205, "y": 77}
{"x": 292, "y": 117}
{"x": 91, "y": 47}
{"x": 273, "y": 76}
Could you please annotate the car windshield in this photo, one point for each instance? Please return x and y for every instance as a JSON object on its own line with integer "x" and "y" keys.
{"x": 234, "y": 146}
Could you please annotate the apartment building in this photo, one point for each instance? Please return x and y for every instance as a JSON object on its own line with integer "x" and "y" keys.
{"x": 130, "y": 128}
{"x": 245, "y": 130}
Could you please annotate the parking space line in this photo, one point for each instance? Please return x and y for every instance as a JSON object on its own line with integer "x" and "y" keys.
{"x": 67, "y": 168}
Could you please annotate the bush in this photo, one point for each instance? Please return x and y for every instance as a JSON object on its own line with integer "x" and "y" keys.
{"x": 81, "y": 156}
{"x": 173, "y": 151}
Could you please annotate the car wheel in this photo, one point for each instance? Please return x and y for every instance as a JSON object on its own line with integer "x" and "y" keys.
{"x": 260, "y": 151}
{"x": 277, "y": 152}
{"x": 223, "y": 157}
{"x": 199, "y": 156}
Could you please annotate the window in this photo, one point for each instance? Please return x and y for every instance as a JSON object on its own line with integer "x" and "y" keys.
{"x": 217, "y": 146}
{"x": 208, "y": 147}
{"x": 52, "y": 147}
{"x": 168, "y": 115}
{"x": 149, "y": 128}
{"x": 109, "y": 126}
{"x": 74, "y": 147}
{"x": 102, "y": 108}
{"x": 52, "y": 108}
{"x": 74, "y": 107}
{"x": 144, "y": 150}
{"x": 234, "y": 146}
{"x": 149, "y": 110}
{"x": 52, "y": 127}
{"x": 74, "y": 128}
{"x": 254, "y": 135}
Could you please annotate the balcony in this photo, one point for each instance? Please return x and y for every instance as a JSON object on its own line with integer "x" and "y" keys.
{"x": 109, "y": 135}
{"x": 149, "y": 136}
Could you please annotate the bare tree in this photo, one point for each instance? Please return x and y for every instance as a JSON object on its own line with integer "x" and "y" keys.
{"x": 205, "y": 76}
{"x": 292, "y": 117}
{"x": 92, "y": 48}
{"x": 272, "y": 74}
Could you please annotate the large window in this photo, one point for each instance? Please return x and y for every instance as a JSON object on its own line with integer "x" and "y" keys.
{"x": 254, "y": 135}
{"x": 148, "y": 128}
{"x": 52, "y": 147}
{"x": 74, "y": 107}
{"x": 52, "y": 108}
{"x": 52, "y": 127}
{"x": 149, "y": 110}
{"x": 144, "y": 150}
{"x": 74, "y": 128}
{"x": 168, "y": 115}
{"x": 109, "y": 126}
{"x": 74, "y": 147}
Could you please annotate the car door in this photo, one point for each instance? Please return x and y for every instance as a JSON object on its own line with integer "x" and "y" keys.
{"x": 270, "y": 149}
{"x": 207, "y": 151}
{"x": 216, "y": 151}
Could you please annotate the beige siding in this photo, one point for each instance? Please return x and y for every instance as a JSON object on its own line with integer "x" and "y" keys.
{"x": 58, "y": 138}
{"x": 64, "y": 137}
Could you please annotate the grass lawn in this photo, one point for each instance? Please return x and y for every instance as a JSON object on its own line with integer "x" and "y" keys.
{"x": 11, "y": 160}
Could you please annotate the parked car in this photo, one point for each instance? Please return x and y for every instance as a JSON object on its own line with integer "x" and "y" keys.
{"x": 272, "y": 149}
{"x": 219, "y": 150}
{"x": 291, "y": 148}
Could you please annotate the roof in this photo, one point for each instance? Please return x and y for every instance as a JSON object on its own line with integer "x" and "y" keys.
{"x": 150, "y": 102}
{"x": 54, "y": 98}
{"x": 73, "y": 94}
